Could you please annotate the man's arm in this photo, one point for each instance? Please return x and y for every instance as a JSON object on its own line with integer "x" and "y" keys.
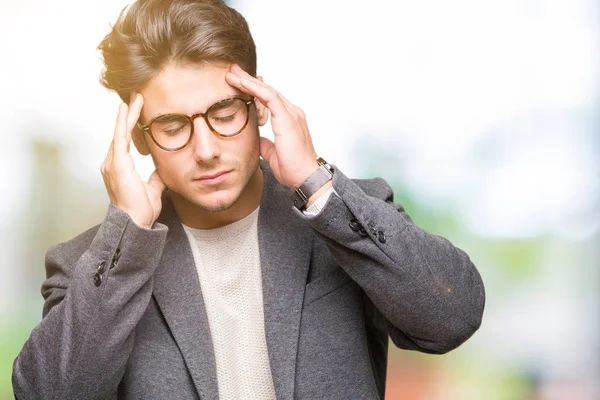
{"x": 426, "y": 288}
{"x": 97, "y": 289}
{"x": 429, "y": 291}
{"x": 98, "y": 286}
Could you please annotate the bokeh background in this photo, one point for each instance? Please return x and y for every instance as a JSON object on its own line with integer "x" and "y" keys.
{"x": 483, "y": 115}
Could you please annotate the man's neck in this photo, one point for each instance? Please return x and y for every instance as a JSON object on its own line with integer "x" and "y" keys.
{"x": 196, "y": 217}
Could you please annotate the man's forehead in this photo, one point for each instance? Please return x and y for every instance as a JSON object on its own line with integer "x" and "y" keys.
{"x": 186, "y": 89}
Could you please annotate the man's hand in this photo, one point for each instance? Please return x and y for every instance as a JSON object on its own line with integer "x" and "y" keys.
{"x": 142, "y": 201}
{"x": 292, "y": 157}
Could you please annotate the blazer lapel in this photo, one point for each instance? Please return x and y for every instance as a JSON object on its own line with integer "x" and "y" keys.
{"x": 178, "y": 294}
{"x": 285, "y": 245}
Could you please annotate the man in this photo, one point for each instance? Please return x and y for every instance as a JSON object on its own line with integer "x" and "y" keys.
{"x": 226, "y": 276}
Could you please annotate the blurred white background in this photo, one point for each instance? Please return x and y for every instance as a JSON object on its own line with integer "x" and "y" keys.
{"x": 485, "y": 110}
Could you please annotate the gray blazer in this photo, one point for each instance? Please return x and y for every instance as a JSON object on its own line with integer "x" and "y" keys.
{"x": 124, "y": 315}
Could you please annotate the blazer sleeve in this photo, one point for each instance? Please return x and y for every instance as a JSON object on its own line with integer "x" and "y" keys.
{"x": 428, "y": 291}
{"x": 97, "y": 289}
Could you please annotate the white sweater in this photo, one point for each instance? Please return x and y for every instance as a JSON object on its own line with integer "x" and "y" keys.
{"x": 228, "y": 264}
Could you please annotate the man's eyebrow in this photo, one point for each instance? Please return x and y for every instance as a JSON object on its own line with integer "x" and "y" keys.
{"x": 232, "y": 96}
{"x": 226, "y": 97}
{"x": 223, "y": 103}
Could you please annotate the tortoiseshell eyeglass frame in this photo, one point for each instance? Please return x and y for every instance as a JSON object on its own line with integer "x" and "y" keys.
{"x": 204, "y": 115}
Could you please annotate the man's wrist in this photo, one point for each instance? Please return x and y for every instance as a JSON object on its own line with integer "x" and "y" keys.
{"x": 313, "y": 185}
{"x": 309, "y": 171}
{"x": 319, "y": 193}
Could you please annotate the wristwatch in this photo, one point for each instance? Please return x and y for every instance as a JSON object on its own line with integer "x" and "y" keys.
{"x": 311, "y": 185}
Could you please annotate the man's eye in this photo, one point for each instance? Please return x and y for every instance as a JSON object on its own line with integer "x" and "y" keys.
{"x": 174, "y": 131}
{"x": 224, "y": 118}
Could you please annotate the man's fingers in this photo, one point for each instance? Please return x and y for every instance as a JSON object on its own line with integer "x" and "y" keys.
{"x": 288, "y": 103}
{"x": 236, "y": 82}
{"x": 157, "y": 183}
{"x": 233, "y": 80}
{"x": 237, "y": 70}
{"x": 269, "y": 97}
{"x": 292, "y": 108}
{"x": 120, "y": 137}
{"x": 109, "y": 156}
{"x": 266, "y": 148}
{"x": 245, "y": 77}
{"x": 135, "y": 109}
{"x": 266, "y": 94}
{"x": 262, "y": 91}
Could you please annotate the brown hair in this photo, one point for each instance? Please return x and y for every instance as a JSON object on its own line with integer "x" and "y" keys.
{"x": 149, "y": 34}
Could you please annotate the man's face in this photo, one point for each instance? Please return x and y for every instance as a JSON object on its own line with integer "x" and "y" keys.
{"x": 212, "y": 173}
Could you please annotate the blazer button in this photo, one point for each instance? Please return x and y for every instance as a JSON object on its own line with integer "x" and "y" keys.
{"x": 101, "y": 268}
{"x": 381, "y": 236}
{"x": 363, "y": 232}
{"x": 97, "y": 279}
{"x": 115, "y": 258}
{"x": 355, "y": 225}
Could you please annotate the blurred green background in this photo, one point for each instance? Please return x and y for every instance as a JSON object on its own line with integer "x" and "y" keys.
{"x": 483, "y": 116}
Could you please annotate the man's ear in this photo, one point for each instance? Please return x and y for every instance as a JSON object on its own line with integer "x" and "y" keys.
{"x": 261, "y": 111}
{"x": 139, "y": 140}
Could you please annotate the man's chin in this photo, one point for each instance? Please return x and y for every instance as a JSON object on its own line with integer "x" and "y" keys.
{"x": 215, "y": 207}
{"x": 216, "y": 203}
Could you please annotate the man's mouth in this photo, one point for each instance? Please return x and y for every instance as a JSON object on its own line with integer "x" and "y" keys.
{"x": 213, "y": 178}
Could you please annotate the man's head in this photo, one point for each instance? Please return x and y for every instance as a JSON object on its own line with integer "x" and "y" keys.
{"x": 150, "y": 34}
{"x": 176, "y": 54}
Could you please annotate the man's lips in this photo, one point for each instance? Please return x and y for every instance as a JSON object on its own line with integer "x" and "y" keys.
{"x": 213, "y": 178}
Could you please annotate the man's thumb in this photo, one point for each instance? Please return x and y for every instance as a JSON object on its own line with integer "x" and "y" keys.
{"x": 157, "y": 183}
{"x": 266, "y": 148}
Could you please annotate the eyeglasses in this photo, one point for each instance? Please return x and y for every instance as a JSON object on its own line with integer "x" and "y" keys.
{"x": 225, "y": 118}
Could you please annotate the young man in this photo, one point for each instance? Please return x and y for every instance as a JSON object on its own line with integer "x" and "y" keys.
{"x": 226, "y": 276}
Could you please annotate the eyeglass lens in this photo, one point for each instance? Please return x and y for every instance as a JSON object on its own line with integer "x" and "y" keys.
{"x": 227, "y": 118}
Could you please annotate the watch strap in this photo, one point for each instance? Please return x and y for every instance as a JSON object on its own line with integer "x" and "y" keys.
{"x": 315, "y": 181}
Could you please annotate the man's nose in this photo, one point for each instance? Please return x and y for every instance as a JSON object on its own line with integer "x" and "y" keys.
{"x": 205, "y": 143}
